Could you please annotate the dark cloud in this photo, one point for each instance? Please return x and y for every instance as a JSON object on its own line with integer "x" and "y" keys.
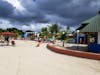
{"x": 70, "y": 9}
{"x": 6, "y": 9}
{"x": 64, "y": 12}
{"x": 29, "y": 17}
{"x": 69, "y": 12}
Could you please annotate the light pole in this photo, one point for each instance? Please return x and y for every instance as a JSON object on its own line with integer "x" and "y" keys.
{"x": 63, "y": 38}
{"x": 77, "y": 38}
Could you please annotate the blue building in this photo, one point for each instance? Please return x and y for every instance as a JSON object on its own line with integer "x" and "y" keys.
{"x": 91, "y": 28}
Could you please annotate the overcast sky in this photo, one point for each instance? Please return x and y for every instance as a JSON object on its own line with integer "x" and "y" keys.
{"x": 35, "y": 14}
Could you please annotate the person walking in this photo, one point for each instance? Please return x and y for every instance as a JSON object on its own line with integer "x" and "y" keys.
{"x": 7, "y": 40}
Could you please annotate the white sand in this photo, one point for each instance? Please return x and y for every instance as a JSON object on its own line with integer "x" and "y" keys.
{"x": 27, "y": 59}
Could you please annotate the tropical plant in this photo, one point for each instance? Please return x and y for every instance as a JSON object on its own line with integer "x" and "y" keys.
{"x": 2, "y": 30}
{"x": 54, "y": 28}
{"x": 44, "y": 32}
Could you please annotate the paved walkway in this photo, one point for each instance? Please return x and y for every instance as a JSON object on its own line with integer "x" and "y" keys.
{"x": 27, "y": 59}
{"x": 72, "y": 46}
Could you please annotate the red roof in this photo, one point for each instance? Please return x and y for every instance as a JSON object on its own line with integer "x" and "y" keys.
{"x": 7, "y": 33}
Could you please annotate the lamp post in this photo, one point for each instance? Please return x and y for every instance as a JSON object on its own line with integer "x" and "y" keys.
{"x": 63, "y": 38}
{"x": 77, "y": 38}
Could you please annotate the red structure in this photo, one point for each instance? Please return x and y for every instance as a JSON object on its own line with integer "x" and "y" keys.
{"x": 7, "y": 33}
{"x": 88, "y": 55}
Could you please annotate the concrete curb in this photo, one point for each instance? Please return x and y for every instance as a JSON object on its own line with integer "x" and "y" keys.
{"x": 73, "y": 52}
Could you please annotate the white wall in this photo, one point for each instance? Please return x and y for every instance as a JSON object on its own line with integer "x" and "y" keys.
{"x": 98, "y": 37}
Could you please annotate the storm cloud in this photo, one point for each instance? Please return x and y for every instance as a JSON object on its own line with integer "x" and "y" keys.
{"x": 69, "y": 12}
{"x": 63, "y": 12}
{"x": 6, "y": 9}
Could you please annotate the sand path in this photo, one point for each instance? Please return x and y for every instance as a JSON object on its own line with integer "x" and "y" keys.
{"x": 27, "y": 59}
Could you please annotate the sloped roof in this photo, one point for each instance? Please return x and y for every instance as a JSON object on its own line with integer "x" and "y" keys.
{"x": 92, "y": 25}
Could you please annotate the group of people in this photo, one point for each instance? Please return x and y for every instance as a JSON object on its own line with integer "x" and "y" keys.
{"x": 44, "y": 40}
{"x": 7, "y": 40}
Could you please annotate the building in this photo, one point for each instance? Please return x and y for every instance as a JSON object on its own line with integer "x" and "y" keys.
{"x": 91, "y": 28}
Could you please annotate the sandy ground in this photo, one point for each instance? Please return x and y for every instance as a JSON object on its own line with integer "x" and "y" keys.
{"x": 27, "y": 59}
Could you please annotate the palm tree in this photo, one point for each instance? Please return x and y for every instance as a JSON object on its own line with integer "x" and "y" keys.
{"x": 44, "y": 32}
{"x": 44, "y": 29}
{"x": 54, "y": 28}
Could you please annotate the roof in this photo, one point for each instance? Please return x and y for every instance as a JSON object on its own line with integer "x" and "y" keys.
{"x": 7, "y": 33}
{"x": 82, "y": 26}
{"x": 91, "y": 25}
